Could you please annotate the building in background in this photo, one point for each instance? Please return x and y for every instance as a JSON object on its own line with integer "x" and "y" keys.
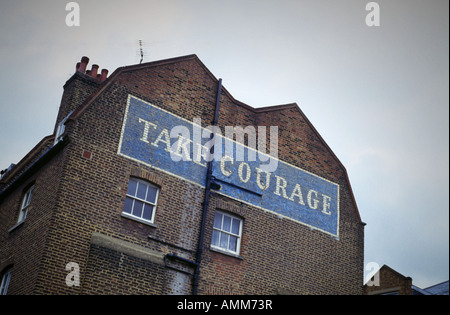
{"x": 391, "y": 282}
{"x": 125, "y": 198}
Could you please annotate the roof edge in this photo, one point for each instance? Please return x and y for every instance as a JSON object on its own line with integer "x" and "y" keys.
{"x": 28, "y": 157}
{"x": 324, "y": 143}
{"x": 33, "y": 167}
{"x": 105, "y": 84}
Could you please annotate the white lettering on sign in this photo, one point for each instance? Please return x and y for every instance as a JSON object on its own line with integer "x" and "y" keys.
{"x": 180, "y": 150}
{"x": 225, "y": 171}
{"x": 265, "y": 185}
{"x": 297, "y": 192}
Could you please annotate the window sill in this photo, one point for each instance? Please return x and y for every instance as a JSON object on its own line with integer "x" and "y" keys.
{"x": 15, "y": 226}
{"x": 127, "y": 216}
{"x": 221, "y": 251}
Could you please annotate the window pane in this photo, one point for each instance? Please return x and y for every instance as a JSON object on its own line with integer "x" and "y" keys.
{"x": 137, "y": 209}
{"x": 141, "y": 191}
{"x": 29, "y": 195}
{"x": 226, "y": 223}
{"x": 132, "y": 188}
{"x": 215, "y": 238}
{"x": 24, "y": 202}
{"x": 151, "y": 194}
{"x": 224, "y": 240}
{"x": 27, "y": 198}
{"x": 235, "y": 226}
{"x": 218, "y": 221}
{"x": 148, "y": 209}
{"x": 22, "y": 215}
{"x": 128, "y": 205}
{"x": 233, "y": 243}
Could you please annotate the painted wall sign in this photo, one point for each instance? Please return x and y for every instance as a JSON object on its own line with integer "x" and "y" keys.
{"x": 157, "y": 138}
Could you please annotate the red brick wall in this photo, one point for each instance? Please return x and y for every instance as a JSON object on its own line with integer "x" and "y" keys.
{"x": 277, "y": 255}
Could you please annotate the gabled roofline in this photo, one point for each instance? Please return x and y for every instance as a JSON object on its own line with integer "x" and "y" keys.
{"x": 395, "y": 272}
{"x": 347, "y": 179}
{"x": 158, "y": 63}
{"x": 103, "y": 86}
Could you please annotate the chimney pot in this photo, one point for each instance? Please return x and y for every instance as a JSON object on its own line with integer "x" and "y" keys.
{"x": 83, "y": 64}
{"x": 78, "y": 66}
{"x": 104, "y": 75}
{"x": 94, "y": 70}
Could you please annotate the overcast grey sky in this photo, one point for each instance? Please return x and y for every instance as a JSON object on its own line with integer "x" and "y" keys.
{"x": 378, "y": 95}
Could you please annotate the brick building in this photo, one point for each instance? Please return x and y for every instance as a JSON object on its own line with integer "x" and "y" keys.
{"x": 387, "y": 281}
{"x": 119, "y": 201}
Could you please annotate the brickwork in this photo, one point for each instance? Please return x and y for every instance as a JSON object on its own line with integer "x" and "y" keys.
{"x": 76, "y": 90}
{"x": 23, "y": 245}
{"x": 81, "y": 193}
{"x": 389, "y": 281}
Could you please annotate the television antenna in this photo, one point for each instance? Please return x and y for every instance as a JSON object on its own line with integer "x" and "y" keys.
{"x": 141, "y": 52}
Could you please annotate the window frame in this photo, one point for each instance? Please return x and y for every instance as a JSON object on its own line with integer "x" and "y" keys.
{"x": 135, "y": 197}
{"x": 222, "y": 231}
{"x": 25, "y": 204}
{"x": 5, "y": 280}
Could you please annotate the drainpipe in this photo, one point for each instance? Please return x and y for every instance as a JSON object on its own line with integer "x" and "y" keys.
{"x": 207, "y": 192}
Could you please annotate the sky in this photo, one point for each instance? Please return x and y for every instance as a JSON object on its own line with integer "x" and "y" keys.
{"x": 378, "y": 95}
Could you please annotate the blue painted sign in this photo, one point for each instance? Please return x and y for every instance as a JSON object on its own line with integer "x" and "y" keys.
{"x": 155, "y": 137}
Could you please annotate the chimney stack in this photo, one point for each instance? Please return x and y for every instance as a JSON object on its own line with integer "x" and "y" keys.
{"x": 81, "y": 67}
